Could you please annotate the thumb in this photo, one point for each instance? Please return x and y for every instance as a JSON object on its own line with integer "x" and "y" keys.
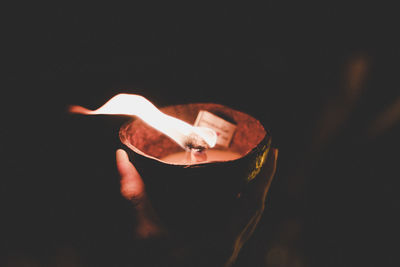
{"x": 132, "y": 186}
{"x": 133, "y": 189}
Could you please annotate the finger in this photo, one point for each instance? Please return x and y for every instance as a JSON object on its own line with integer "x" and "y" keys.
{"x": 132, "y": 186}
{"x": 258, "y": 187}
{"x": 253, "y": 198}
{"x": 249, "y": 213}
{"x": 133, "y": 189}
{"x": 256, "y": 191}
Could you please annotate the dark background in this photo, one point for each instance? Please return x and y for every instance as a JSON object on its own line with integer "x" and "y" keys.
{"x": 322, "y": 78}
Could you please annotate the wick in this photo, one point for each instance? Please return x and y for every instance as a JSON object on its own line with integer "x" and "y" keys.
{"x": 196, "y": 148}
{"x": 198, "y": 156}
{"x": 195, "y": 156}
{"x": 195, "y": 142}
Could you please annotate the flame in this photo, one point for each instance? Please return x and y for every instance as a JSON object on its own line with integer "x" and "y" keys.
{"x": 136, "y": 105}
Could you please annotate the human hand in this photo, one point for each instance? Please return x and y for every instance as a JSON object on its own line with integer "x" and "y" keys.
{"x": 243, "y": 221}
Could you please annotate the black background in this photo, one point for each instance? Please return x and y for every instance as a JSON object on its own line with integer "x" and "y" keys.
{"x": 334, "y": 199}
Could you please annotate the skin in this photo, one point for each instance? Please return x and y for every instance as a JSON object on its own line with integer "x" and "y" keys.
{"x": 242, "y": 224}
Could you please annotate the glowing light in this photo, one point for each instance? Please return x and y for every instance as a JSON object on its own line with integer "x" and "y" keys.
{"x": 136, "y": 105}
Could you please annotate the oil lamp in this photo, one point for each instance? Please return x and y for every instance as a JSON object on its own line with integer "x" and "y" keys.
{"x": 195, "y": 159}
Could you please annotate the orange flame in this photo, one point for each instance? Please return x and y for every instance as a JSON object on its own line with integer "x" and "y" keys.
{"x": 136, "y": 105}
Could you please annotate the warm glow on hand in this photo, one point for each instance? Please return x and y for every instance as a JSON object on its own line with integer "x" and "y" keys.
{"x": 132, "y": 186}
{"x": 133, "y": 189}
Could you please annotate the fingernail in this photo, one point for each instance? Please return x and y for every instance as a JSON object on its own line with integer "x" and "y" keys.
{"x": 121, "y": 155}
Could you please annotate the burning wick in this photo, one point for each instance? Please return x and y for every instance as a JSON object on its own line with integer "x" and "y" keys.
{"x": 196, "y": 148}
{"x": 194, "y": 140}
